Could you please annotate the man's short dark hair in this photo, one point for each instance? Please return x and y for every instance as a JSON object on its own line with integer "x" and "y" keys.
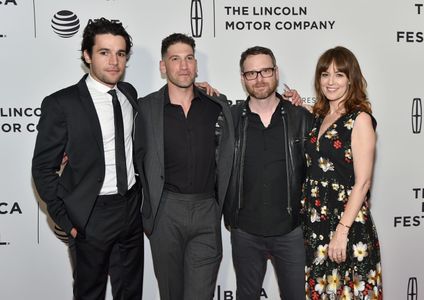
{"x": 255, "y": 51}
{"x": 102, "y": 26}
{"x": 177, "y": 38}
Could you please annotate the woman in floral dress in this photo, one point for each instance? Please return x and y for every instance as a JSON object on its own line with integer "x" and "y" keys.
{"x": 342, "y": 248}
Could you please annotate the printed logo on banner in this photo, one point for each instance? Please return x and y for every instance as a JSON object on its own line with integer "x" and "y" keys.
{"x": 196, "y": 15}
{"x": 412, "y": 292}
{"x": 6, "y": 2}
{"x": 117, "y": 21}
{"x": 229, "y": 295}
{"x": 10, "y": 208}
{"x": 411, "y": 36}
{"x": 416, "y": 115}
{"x": 412, "y": 220}
{"x": 238, "y": 16}
{"x": 3, "y": 243}
{"x": 16, "y": 120}
{"x": 65, "y": 23}
{"x": 309, "y": 100}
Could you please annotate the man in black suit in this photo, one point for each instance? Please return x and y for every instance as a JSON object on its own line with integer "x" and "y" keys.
{"x": 186, "y": 149}
{"x": 96, "y": 199}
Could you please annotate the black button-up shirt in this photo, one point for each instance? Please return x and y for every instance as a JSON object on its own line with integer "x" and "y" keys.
{"x": 189, "y": 145}
{"x": 265, "y": 189}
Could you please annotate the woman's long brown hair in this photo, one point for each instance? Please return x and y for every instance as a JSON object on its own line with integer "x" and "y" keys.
{"x": 345, "y": 62}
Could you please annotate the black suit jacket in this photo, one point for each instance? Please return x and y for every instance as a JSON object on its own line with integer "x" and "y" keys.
{"x": 149, "y": 147}
{"x": 69, "y": 123}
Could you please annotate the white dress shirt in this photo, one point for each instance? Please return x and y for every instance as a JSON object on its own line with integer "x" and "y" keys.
{"x": 104, "y": 108}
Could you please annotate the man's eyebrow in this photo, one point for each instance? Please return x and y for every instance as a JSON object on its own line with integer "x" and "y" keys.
{"x": 107, "y": 49}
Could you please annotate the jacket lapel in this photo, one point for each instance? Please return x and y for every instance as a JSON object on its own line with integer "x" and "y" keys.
{"x": 128, "y": 95}
{"x": 87, "y": 103}
{"x": 157, "y": 107}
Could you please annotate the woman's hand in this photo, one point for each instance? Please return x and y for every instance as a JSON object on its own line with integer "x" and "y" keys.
{"x": 338, "y": 245}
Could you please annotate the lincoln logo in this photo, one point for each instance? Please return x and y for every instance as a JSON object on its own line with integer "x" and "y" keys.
{"x": 416, "y": 115}
{"x": 412, "y": 293}
{"x": 196, "y": 15}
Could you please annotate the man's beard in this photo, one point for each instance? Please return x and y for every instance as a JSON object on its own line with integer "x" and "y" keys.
{"x": 270, "y": 89}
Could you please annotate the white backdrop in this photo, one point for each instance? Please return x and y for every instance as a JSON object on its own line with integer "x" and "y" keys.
{"x": 386, "y": 37}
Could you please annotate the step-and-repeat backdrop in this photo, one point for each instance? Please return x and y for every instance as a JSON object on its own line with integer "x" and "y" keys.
{"x": 39, "y": 42}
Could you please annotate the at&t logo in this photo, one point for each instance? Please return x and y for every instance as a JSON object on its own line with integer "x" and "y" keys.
{"x": 416, "y": 115}
{"x": 65, "y": 23}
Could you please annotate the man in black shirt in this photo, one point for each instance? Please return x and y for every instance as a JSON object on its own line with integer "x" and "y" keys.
{"x": 184, "y": 145}
{"x": 262, "y": 206}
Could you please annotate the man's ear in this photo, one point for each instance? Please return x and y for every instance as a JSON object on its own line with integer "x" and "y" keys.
{"x": 87, "y": 57}
{"x": 162, "y": 67}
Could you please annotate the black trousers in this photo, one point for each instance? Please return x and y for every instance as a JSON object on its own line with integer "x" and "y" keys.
{"x": 186, "y": 246}
{"x": 114, "y": 269}
{"x": 287, "y": 254}
{"x": 112, "y": 243}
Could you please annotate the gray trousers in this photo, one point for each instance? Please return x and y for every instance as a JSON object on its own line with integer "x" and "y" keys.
{"x": 186, "y": 246}
{"x": 287, "y": 254}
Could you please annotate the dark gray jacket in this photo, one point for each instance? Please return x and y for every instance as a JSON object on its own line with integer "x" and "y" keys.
{"x": 149, "y": 151}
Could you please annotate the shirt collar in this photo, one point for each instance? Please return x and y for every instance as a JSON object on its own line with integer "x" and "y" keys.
{"x": 167, "y": 100}
{"x": 277, "y": 108}
{"x": 100, "y": 87}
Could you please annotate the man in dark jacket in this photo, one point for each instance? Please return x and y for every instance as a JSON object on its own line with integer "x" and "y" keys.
{"x": 262, "y": 205}
{"x": 185, "y": 146}
{"x": 96, "y": 199}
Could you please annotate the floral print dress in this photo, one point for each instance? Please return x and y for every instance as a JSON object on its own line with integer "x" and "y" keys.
{"x": 326, "y": 190}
